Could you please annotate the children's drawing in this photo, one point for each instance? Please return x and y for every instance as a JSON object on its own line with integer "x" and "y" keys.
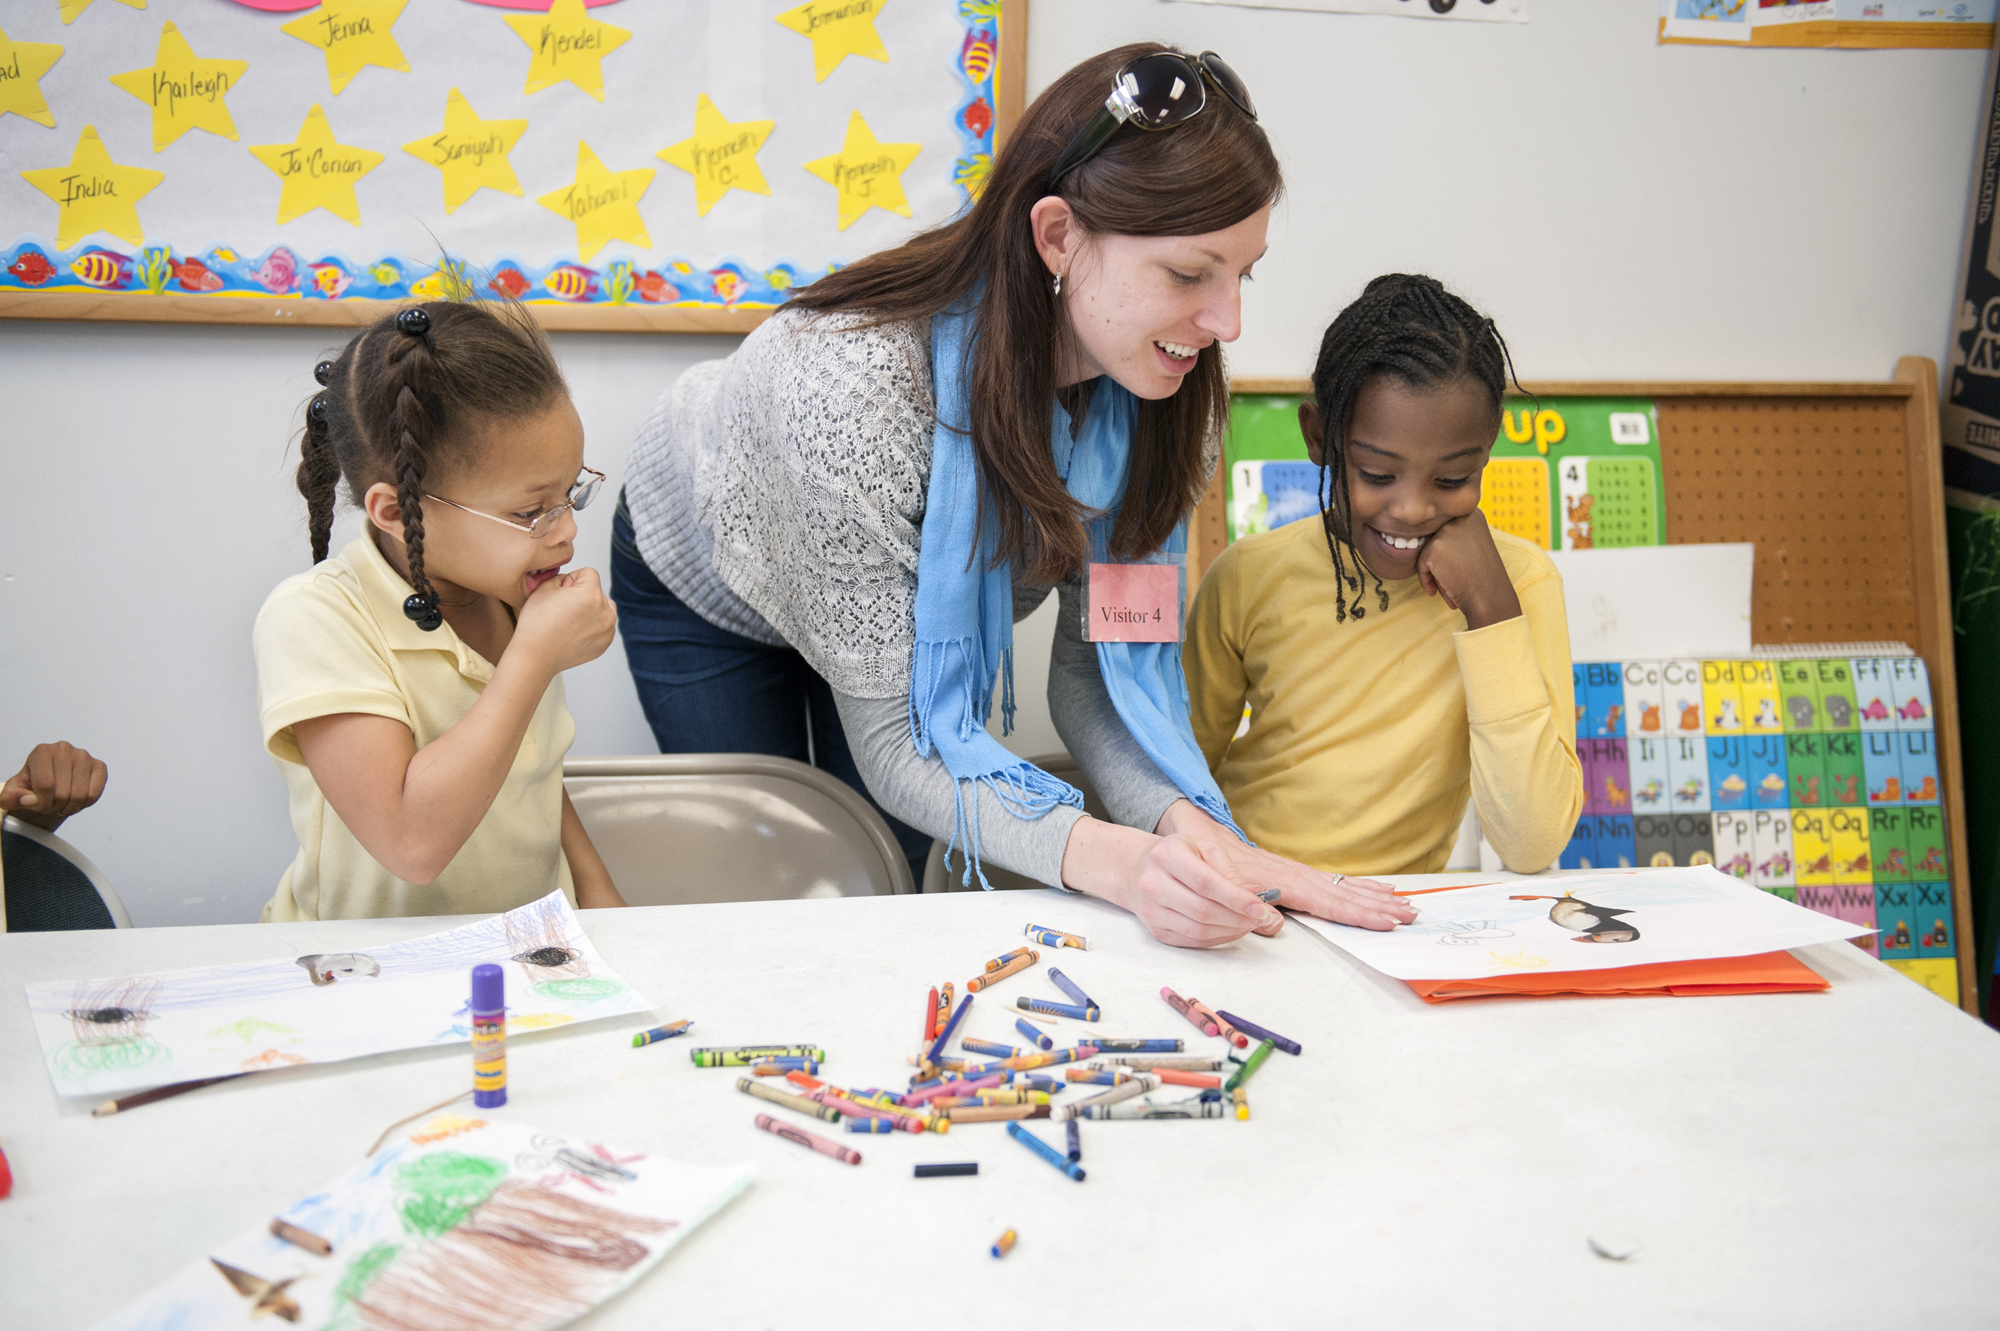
{"x": 1688, "y": 913}
{"x": 130, "y": 1032}
{"x": 1599, "y": 924}
{"x": 457, "y": 1225}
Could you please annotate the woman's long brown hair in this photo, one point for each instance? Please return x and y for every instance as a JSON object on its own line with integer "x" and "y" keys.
{"x": 1204, "y": 175}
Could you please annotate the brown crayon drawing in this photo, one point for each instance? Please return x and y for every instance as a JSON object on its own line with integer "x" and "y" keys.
{"x": 525, "y": 1257}
{"x": 537, "y": 940}
{"x": 112, "y": 1010}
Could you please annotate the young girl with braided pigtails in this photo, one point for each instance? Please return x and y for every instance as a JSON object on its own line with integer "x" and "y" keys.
{"x": 1398, "y": 655}
{"x": 410, "y": 687}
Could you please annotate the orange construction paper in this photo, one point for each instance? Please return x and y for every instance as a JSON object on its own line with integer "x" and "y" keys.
{"x": 1766, "y": 973}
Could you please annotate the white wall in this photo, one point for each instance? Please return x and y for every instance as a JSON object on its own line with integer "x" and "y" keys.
{"x": 1623, "y": 209}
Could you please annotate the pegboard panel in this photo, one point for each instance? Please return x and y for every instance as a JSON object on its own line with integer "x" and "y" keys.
{"x": 1821, "y": 486}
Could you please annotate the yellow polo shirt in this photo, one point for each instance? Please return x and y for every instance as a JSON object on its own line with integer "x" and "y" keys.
{"x": 1367, "y": 737}
{"x": 334, "y": 639}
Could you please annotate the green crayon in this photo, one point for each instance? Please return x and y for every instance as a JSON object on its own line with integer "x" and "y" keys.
{"x": 1250, "y": 1066}
{"x": 751, "y": 1054}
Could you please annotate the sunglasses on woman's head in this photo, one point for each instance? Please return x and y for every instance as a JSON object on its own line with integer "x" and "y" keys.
{"x": 1154, "y": 92}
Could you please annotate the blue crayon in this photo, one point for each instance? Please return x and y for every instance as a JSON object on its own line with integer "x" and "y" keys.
{"x": 1113, "y": 1045}
{"x": 858, "y": 1124}
{"x": 1034, "y": 1034}
{"x": 944, "y": 1036}
{"x": 1075, "y": 1141}
{"x": 666, "y": 1032}
{"x": 1044, "y": 1006}
{"x": 1044, "y": 1150}
{"x": 988, "y": 1047}
{"x": 1069, "y": 986}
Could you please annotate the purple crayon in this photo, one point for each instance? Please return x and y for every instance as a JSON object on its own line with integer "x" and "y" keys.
{"x": 1251, "y": 1028}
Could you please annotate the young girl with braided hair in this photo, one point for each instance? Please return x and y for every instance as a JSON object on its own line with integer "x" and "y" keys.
{"x": 1398, "y": 655}
{"x": 410, "y": 687}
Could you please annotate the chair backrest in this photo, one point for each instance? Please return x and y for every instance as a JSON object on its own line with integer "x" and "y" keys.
{"x": 53, "y": 885}
{"x": 942, "y": 875}
{"x": 678, "y": 828}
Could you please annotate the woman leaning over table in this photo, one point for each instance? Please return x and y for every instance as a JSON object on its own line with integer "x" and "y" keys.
{"x": 842, "y": 520}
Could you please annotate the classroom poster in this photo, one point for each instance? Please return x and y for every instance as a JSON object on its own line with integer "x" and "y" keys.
{"x": 1844, "y": 23}
{"x": 1476, "y": 11}
{"x": 703, "y": 154}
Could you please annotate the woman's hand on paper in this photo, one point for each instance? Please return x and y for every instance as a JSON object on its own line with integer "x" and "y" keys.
{"x": 1168, "y": 882}
{"x": 1460, "y": 563}
{"x": 1363, "y": 902}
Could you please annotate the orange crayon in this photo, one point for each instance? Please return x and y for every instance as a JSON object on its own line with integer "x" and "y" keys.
{"x": 1014, "y": 967}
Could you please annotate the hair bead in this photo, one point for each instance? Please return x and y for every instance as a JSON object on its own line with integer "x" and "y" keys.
{"x": 415, "y": 322}
{"x": 316, "y": 410}
{"x": 323, "y": 372}
{"x": 423, "y": 611}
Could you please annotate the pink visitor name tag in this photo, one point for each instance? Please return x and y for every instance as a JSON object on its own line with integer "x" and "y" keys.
{"x": 1133, "y": 603}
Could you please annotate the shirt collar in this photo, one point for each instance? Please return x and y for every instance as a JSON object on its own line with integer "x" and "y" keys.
{"x": 385, "y": 590}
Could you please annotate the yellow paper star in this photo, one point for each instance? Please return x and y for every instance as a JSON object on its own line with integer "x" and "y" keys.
{"x": 838, "y": 28}
{"x": 22, "y": 64}
{"x": 603, "y": 203}
{"x": 471, "y": 152}
{"x": 317, "y": 171}
{"x": 184, "y": 90}
{"x": 569, "y": 46}
{"x": 867, "y": 173}
{"x": 721, "y": 156}
{"x": 352, "y": 33}
{"x": 94, "y": 192}
{"x": 71, "y": 8}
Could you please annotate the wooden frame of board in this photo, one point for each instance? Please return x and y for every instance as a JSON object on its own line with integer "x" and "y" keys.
{"x": 1009, "y": 98}
{"x": 1841, "y": 488}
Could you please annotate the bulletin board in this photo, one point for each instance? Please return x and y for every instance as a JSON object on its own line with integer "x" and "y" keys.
{"x": 614, "y": 164}
{"x": 1837, "y": 485}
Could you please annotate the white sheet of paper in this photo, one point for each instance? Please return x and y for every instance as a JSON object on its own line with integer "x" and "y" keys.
{"x": 1655, "y": 602}
{"x": 128, "y": 1032}
{"x": 462, "y": 1221}
{"x": 1678, "y": 914}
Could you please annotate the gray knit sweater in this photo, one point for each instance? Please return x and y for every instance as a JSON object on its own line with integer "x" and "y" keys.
{"x": 780, "y": 494}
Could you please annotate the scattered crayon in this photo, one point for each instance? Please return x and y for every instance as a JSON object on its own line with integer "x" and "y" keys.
{"x": 956, "y": 1170}
{"x": 1039, "y": 1040}
{"x": 1055, "y": 937}
{"x": 1242, "y": 1104}
{"x": 1014, "y": 967}
{"x": 943, "y": 1013}
{"x": 1114, "y": 1045}
{"x": 1074, "y": 1134}
{"x": 750, "y": 1054}
{"x": 1070, "y": 987}
{"x": 778, "y": 1067}
{"x": 994, "y": 1113}
{"x": 1006, "y": 957}
{"x": 1103, "y": 1076}
{"x": 809, "y": 1140}
{"x": 1257, "y": 1032}
{"x": 1250, "y": 1066}
{"x": 1010, "y": 1096}
{"x": 1175, "y": 1077}
{"x": 991, "y": 1047}
{"x": 930, "y": 1016}
{"x": 1146, "y": 1109}
{"x": 1025, "y": 1062}
{"x": 1057, "y": 1009}
{"x": 1046, "y": 1151}
{"x": 870, "y": 1125}
{"x": 788, "y": 1100}
{"x": 1177, "y": 1064}
{"x": 1187, "y": 1009}
{"x": 1272, "y": 895}
{"x": 658, "y": 1033}
{"x": 1140, "y": 1084}
{"x": 945, "y": 1032}
{"x": 1004, "y": 1244}
{"x": 1207, "y": 1014}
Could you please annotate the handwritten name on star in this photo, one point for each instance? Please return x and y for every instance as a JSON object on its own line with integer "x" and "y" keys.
{"x": 714, "y": 162}
{"x": 187, "y": 88}
{"x": 859, "y": 177}
{"x": 556, "y": 45}
{"x": 445, "y": 149}
{"x": 318, "y": 164}
{"x": 338, "y": 30}
{"x": 582, "y": 201}
{"x": 817, "y": 18}
{"x": 97, "y": 188}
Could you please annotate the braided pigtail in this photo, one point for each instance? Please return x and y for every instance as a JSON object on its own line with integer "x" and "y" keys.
{"x": 409, "y": 363}
{"x": 1409, "y": 327}
{"x": 319, "y": 469}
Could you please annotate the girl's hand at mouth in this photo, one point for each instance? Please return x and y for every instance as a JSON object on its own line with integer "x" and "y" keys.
{"x": 567, "y": 620}
{"x": 1460, "y": 563}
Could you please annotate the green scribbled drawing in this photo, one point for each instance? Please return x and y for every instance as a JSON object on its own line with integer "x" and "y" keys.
{"x": 359, "y": 1272}
{"x": 75, "y": 1061}
{"x": 444, "y": 1188}
{"x": 585, "y": 989}
{"x": 247, "y": 1029}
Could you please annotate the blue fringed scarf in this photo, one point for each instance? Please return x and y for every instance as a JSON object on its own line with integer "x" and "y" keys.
{"x": 965, "y": 614}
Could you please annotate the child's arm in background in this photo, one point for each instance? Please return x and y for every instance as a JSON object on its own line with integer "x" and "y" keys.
{"x": 413, "y": 809}
{"x": 54, "y": 782}
{"x": 586, "y": 867}
{"x": 1212, "y": 657}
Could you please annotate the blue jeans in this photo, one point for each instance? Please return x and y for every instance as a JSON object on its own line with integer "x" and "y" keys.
{"x": 707, "y": 690}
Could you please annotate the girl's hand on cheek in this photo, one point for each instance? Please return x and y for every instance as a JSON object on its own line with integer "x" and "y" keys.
{"x": 1460, "y": 563}
{"x": 567, "y": 621}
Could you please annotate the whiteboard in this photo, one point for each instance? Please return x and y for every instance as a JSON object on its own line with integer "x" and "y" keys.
{"x": 855, "y": 151}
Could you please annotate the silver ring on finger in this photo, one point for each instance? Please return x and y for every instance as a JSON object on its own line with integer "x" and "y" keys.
{"x": 1339, "y": 878}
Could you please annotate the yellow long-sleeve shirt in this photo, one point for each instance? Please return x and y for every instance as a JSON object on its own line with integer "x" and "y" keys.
{"x": 1366, "y": 737}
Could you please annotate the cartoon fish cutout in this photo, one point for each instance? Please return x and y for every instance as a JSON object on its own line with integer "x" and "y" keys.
{"x": 1876, "y": 710}
{"x": 977, "y": 118}
{"x": 102, "y": 268}
{"x": 1913, "y": 710}
{"x": 435, "y": 287}
{"x": 223, "y": 254}
{"x": 279, "y": 272}
{"x": 976, "y": 56}
{"x": 778, "y": 279}
{"x": 509, "y": 283}
{"x": 327, "y": 967}
{"x": 194, "y": 275}
{"x": 729, "y": 284}
{"x": 330, "y": 279}
{"x": 655, "y": 288}
{"x": 571, "y": 282}
{"x": 385, "y": 272}
{"x": 32, "y": 268}
{"x": 265, "y": 1296}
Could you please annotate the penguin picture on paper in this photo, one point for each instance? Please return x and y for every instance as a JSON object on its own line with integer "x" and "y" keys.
{"x": 1597, "y": 924}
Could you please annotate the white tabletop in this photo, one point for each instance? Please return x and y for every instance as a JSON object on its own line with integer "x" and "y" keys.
{"x": 1825, "y": 1159}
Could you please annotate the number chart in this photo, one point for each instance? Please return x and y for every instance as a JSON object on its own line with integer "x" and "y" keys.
{"x": 1577, "y": 474}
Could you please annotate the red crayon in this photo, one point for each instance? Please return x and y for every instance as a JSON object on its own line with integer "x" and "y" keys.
{"x": 1187, "y": 1008}
{"x": 1216, "y": 1026}
{"x": 930, "y": 1017}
